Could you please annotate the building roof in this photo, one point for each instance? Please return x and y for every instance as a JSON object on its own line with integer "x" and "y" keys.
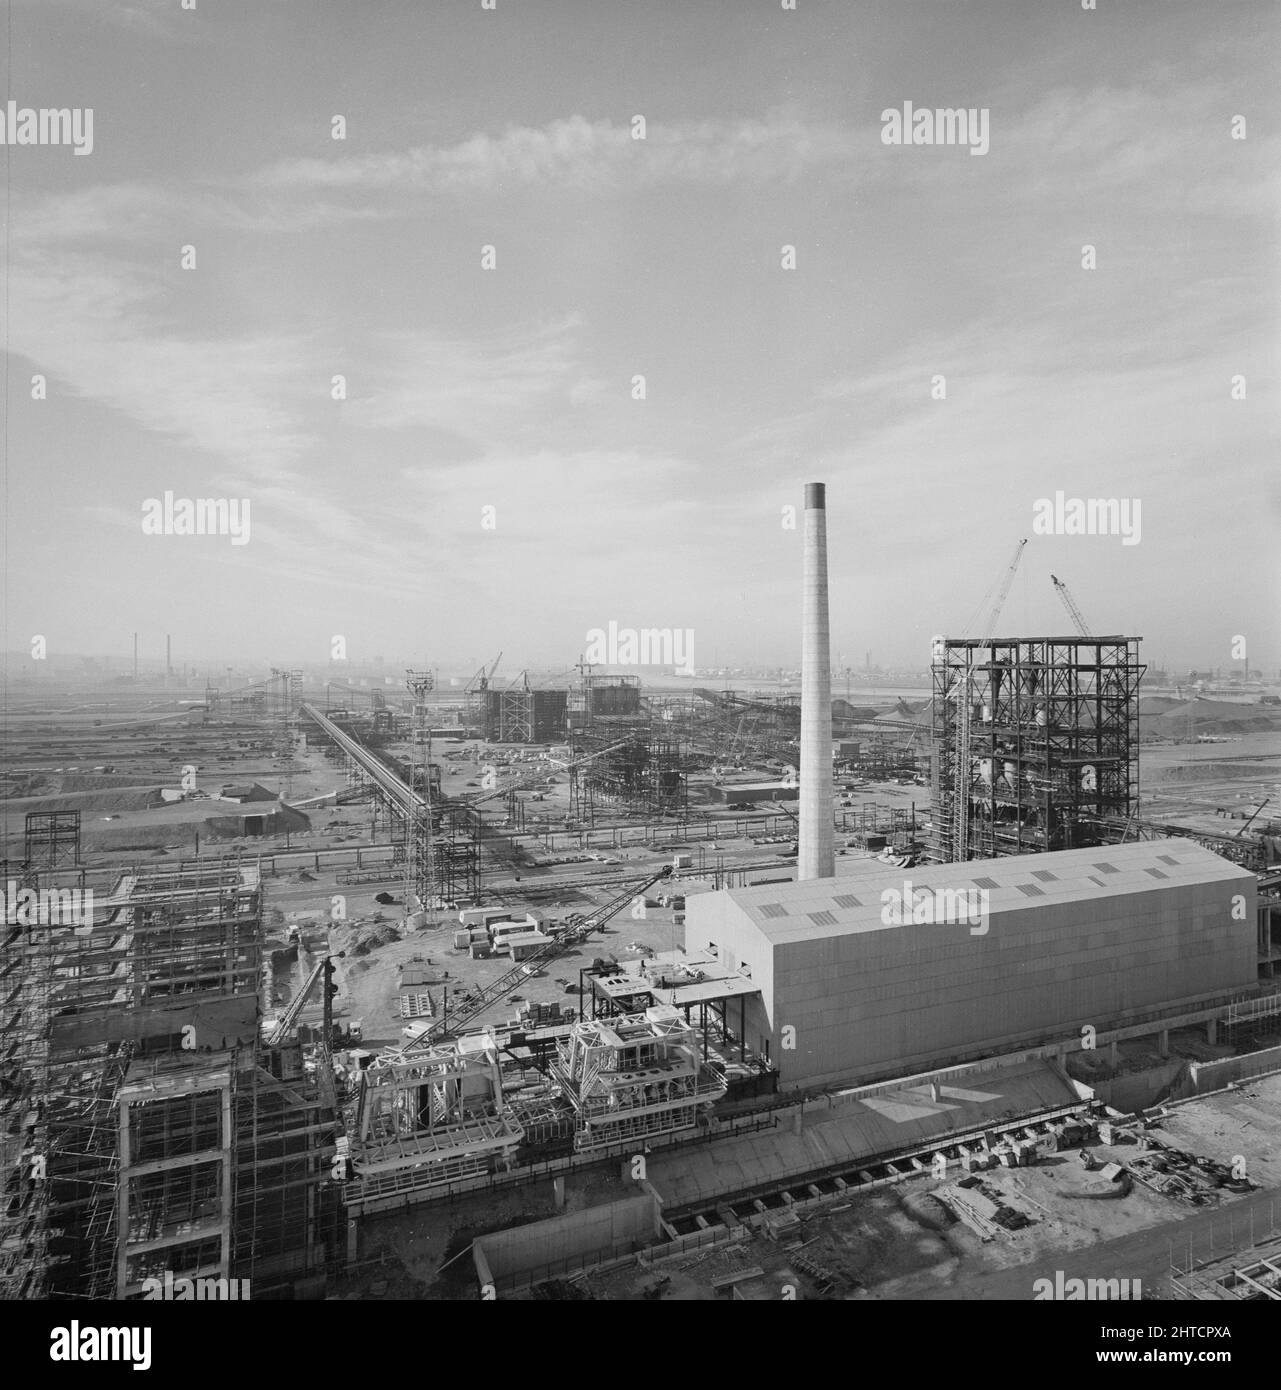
{"x": 816, "y": 909}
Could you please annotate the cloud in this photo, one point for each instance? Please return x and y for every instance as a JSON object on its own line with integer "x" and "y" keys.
{"x": 94, "y": 323}
{"x": 481, "y": 391}
{"x": 121, "y": 214}
{"x": 575, "y": 153}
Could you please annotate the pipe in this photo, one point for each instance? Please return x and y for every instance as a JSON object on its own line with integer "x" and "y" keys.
{"x": 816, "y": 853}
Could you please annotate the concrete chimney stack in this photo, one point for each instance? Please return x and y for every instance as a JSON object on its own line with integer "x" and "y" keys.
{"x": 817, "y": 854}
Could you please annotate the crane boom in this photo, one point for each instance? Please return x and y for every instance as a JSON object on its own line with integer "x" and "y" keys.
{"x": 287, "y": 1020}
{"x": 491, "y": 994}
{"x": 1070, "y": 604}
{"x": 1248, "y": 823}
{"x": 994, "y": 617}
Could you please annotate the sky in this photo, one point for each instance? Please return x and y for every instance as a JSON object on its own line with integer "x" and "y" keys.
{"x": 491, "y": 480}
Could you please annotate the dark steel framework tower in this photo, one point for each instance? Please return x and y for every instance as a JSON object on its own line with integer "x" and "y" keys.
{"x": 1035, "y": 743}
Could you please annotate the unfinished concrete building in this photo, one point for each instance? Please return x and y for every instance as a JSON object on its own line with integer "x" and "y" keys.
{"x": 154, "y": 1134}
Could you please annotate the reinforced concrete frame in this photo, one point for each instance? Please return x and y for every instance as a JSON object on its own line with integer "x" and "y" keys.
{"x": 1035, "y": 743}
{"x": 140, "y": 1132}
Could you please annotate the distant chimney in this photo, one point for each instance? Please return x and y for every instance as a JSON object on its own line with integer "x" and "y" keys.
{"x": 817, "y": 856}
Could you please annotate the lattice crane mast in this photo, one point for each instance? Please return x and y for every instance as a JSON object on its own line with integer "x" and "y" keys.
{"x": 1070, "y": 604}
{"x": 1004, "y": 591}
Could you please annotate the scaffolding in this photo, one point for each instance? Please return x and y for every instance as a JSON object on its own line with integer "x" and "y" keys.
{"x": 457, "y": 853}
{"x": 1035, "y": 743}
{"x": 51, "y": 839}
{"x": 24, "y": 1061}
{"x": 418, "y": 822}
{"x": 522, "y": 715}
{"x": 640, "y": 772}
{"x": 140, "y": 1134}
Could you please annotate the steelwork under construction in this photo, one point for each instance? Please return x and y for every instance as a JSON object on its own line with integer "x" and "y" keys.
{"x": 1036, "y": 742}
{"x": 642, "y": 771}
{"x": 440, "y": 838}
{"x": 147, "y": 1130}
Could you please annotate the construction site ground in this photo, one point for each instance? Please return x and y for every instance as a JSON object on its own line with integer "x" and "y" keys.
{"x": 377, "y": 944}
{"x": 1193, "y": 783}
{"x": 894, "y": 1242}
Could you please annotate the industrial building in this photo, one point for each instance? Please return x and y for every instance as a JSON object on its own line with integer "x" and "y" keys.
{"x": 755, "y": 791}
{"x": 522, "y": 715}
{"x": 184, "y": 1135}
{"x": 1035, "y": 743}
{"x": 146, "y": 1128}
{"x": 1068, "y": 939}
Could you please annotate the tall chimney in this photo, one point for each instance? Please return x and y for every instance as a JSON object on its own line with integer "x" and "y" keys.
{"x": 168, "y": 656}
{"x": 135, "y": 658}
{"x": 816, "y": 857}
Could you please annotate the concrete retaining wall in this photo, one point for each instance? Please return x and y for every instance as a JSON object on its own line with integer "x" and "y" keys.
{"x": 1204, "y": 1077}
{"x": 1136, "y": 1090}
{"x": 579, "y": 1240}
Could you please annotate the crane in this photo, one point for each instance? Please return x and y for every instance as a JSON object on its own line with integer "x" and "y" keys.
{"x": 482, "y": 999}
{"x": 1070, "y": 604}
{"x": 284, "y": 1025}
{"x": 1257, "y": 809}
{"x": 964, "y": 699}
{"x": 482, "y": 678}
{"x": 994, "y": 616}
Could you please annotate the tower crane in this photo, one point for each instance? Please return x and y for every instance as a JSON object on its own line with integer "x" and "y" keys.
{"x": 1070, "y": 604}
